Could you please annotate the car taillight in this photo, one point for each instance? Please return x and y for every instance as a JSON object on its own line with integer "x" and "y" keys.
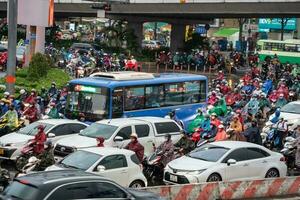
{"x": 282, "y": 159}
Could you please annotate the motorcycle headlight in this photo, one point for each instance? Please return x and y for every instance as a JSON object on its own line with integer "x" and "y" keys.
{"x": 196, "y": 172}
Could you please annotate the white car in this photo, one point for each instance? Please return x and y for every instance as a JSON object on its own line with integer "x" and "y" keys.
{"x": 120, "y": 165}
{"x": 225, "y": 161}
{"x": 116, "y": 132}
{"x": 12, "y": 143}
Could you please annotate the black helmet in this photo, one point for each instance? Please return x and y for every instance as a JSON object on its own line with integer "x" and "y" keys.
{"x": 168, "y": 136}
{"x": 172, "y": 113}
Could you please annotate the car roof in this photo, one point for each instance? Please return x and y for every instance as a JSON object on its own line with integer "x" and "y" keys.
{"x": 40, "y": 178}
{"x": 235, "y": 144}
{"x": 294, "y": 102}
{"x": 105, "y": 151}
{"x": 60, "y": 121}
{"x": 133, "y": 120}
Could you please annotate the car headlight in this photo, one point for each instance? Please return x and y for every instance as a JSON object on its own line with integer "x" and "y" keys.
{"x": 196, "y": 172}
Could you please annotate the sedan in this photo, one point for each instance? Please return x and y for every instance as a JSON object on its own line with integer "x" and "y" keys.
{"x": 225, "y": 161}
{"x": 120, "y": 165}
{"x": 12, "y": 144}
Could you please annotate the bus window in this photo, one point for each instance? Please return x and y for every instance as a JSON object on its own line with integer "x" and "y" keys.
{"x": 154, "y": 96}
{"x": 174, "y": 94}
{"x": 192, "y": 93}
{"x": 117, "y": 103}
{"x": 202, "y": 91}
{"x": 134, "y": 98}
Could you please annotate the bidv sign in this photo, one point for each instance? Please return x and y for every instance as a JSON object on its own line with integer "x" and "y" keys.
{"x": 275, "y": 23}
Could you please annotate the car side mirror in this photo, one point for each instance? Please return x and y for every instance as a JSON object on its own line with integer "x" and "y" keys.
{"x": 231, "y": 162}
{"x": 51, "y": 135}
{"x": 118, "y": 139}
{"x": 100, "y": 168}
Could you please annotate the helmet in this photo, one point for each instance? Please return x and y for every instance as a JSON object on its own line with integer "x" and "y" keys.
{"x": 206, "y": 116}
{"x": 22, "y": 91}
{"x": 81, "y": 115}
{"x": 199, "y": 110}
{"x": 213, "y": 114}
{"x": 48, "y": 143}
{"x": 134, "y": 135}
{"x": 100, "y": 139}
{"x": 41, "y": 127}
{"x": 6, "y": 94}
{"x": 32, "y": 159}
{"x": 221, "y": 126}
{"x": 168, "y": 136}
{"x": 172, "y": 113}
{"x": 53, "y": 83}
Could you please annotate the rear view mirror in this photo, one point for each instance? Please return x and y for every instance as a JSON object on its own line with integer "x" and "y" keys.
{"x": 100, "y": 168}
{"x": 51, "y": 135}
{"x": 118, "y": 139}
{"x": 231, "y": 162}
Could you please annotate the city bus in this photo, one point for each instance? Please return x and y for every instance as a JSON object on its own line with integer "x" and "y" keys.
{"x": 136, "y": 94}
{"x": 287, "y": 51}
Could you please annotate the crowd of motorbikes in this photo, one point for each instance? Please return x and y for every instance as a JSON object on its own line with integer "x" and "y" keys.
{"x": 81, "y": 63}
{"x": 203, "y": 61}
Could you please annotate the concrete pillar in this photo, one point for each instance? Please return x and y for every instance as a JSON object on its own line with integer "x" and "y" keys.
{"x": 298, "y": 28}
{"x": 27, "y": 53}
{"x": 177, "y": 37}
{"x": 137, "y": 27}
{"x": 40, "y": 40}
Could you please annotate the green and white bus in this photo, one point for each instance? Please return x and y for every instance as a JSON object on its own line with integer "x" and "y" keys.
{"x": 287, "y": 51}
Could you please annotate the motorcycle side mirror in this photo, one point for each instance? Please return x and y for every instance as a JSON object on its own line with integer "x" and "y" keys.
{"x": 118, "y": 139}
{"x": 231, "y": 162}
{"x": 100, "y": 168}
{"x": 51, "y": 135}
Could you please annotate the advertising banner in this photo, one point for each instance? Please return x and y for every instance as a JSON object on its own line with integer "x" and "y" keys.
{"x": 275, "y": 23}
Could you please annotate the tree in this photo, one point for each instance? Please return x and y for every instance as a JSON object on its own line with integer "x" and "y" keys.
{"x": 241, "y": 21}
{"x": 283, "y": 21}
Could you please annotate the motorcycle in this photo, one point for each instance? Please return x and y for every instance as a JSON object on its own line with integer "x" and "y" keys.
{"x": 153, "y": 167}
{"x": 289, "y": 152}
{"x": 26, "y": 153}
{"x": 4, "y": 178}
{"x": 29, "y": 167}
{"x": 293, "y": 96}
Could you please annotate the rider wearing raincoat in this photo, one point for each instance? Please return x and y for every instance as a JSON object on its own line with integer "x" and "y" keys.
{"x": 221, "y": 108}
{"x": 281, "y": 101}
{"x": 196, "y": 122}
{"x": 252, "y": 106}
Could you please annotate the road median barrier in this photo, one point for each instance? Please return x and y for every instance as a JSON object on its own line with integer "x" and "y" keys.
{"x": 251, "y": 189}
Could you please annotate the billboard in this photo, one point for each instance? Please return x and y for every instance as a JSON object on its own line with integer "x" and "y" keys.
{"x": 36, "y": 12}
{"x": 275, "y": 23}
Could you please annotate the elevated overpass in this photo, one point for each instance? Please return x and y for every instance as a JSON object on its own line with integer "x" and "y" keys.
{"x": 63, "y": 8}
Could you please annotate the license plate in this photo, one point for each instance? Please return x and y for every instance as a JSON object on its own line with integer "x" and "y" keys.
{"x": 1, "y": 151}
{"x": 173, "y": 178}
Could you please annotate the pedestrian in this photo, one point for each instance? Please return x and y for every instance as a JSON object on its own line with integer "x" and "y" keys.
{"x": 135, "y": 146}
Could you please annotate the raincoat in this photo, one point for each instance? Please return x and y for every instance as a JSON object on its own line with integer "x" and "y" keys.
{"x": 12, "y": 118}
{"x": 253, "y": 106}
{"x": 221, "y": 135}
{"x": 53, "y": 113}
{"x": 281, "y": 102}
{"x": 220, "y": 109}
{"x": 40, "y": 138}
{"x": 167, "y": 149}
{"x": 195, "y": 123}
{"x": 296, "y": 71}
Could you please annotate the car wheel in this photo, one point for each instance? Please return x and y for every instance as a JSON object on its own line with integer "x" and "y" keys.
{"x": 137, "y": 184}
{"x": 214, "y": 178}
{"x": 272, "y": 173}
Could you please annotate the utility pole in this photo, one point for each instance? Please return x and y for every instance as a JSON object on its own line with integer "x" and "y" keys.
{"x": 12, "y": 11}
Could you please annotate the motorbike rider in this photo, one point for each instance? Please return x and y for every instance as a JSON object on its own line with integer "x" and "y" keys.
{"x": 46, "y": 157}
{"x": 236, "y": 124}
{"x": 167, "y": 149}
{"x": 214, "y": 120}
{"x": 100, "y": 141}
{"x": 4, "y": 106}
{"x": 6, "y": 95}
{"x": 31, "y": 98}
{"x": 281, "y": 131}
{"x": 221, "y": 134}
{"x": 296, "y": 70}
{"x": 281, "y": 101}
{"x": 53, "y": 112}
{"x": 23, "y": 95}
{"x": 44, "y": 95}
{"x": 11, "y": 116}
{"x": 135, "y": 146}
{"x": 185, "y": 144}
{"x": 53, "y": 91}
{"x": 296, "y": 86}
{"x": 205, "y": 126}
{"x": 31, "y": 113}
{"x": 82, "y": 118}
{"x": 196, "y": 122}
{"x": 252, "y": 133}
{"x": 297, "y": 144}
{"x": 39, "y": 139}
{"x": 252, "y": 106}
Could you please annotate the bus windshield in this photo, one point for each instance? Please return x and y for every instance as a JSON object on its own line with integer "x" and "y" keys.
{"x": 85, "y": 99}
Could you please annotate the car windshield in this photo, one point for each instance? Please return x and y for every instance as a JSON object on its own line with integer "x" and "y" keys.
{"x": 18, "y": 190}
{"x": 291, "y": 108}
{"x": 80, "y": 160}
{"x": 208, "y": 152}
{"x": 96, "y": 130}
{"x": 31, "y": 129}
{"x": 88, "y": 99}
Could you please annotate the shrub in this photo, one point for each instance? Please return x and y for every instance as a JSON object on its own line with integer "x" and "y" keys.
{"x": 38, "y": 67}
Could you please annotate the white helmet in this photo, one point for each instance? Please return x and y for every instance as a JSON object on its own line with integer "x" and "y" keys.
{"x": 32, "y": 159}
{"x": 22, "y": 91}
{"x": 6, "y": 93}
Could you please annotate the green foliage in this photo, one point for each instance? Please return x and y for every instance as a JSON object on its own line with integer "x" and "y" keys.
{"x": 38, "y": 67}
{"x": 54, "y": 75}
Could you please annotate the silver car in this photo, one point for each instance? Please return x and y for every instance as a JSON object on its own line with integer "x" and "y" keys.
{"x": 12, "y": 144}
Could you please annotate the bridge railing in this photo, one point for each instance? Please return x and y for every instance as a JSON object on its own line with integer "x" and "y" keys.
{"x": 63, "y": 1}
{"x": 212, "y": 1}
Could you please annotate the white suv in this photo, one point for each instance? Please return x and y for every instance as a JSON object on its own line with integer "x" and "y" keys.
{"x": 116, "y": 132}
